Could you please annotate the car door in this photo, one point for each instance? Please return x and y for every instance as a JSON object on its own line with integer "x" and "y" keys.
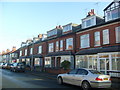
{"x": 69, "y": 77}
{"x": 80, "y": 76}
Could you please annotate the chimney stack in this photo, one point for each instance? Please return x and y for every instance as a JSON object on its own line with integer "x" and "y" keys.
{"x": 14, "y": 48}
{"x": 8, "y": 50}
{"x": 3, "y": 52}
{"x": 40, "y": 35}
{"x": 91, "y": 12}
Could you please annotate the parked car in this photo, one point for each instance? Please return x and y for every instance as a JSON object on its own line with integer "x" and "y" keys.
{"x": 17, "y": 67}
{"x": 85, "y": 78}
{"x": 1, "y": 65}
{"x": 7, "y": 66}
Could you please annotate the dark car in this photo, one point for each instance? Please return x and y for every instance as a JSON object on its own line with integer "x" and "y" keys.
{"x": 7, "y": 66}
{"x": 3, "y": 65}
{"x": 15, "y": 67}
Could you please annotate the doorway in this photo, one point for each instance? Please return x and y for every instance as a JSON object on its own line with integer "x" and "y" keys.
{"x": 104, "y": 65}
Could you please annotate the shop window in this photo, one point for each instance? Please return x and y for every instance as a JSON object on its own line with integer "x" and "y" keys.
{"x": 97, "y": 39}
{"x": 82, "y": 62}
{"x": 118, "y": 63}
{"x": 69, "y": 43}
{"x": 117, "y": 29}
{"x": 106, "y": 36}
{"x": 114, "y": 64}
{"x": 85, "y": 42}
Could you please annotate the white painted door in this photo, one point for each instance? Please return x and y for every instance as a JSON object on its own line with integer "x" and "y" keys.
{"x": 104, "y": 65}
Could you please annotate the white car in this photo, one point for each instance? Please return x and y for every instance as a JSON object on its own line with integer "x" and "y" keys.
{"x": 85, "y": 78}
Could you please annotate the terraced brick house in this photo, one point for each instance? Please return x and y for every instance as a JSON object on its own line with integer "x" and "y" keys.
{"x": 98, "y": 45}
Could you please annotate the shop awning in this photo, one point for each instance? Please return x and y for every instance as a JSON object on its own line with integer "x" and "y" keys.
{"x": 99, "y": 50}
{"x": 59, "y": 53}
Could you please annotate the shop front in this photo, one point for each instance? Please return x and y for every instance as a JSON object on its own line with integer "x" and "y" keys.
{"x": 108, "y": 63}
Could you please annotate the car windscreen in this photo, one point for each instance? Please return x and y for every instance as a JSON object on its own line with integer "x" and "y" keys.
{"x": 95, "y": 72}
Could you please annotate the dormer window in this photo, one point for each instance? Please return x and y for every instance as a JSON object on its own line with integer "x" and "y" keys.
{"x": 112, "y": 11}
{"x": 23, "y": 44}
{"x": 67, "y": 28}
{"x": 90, "y": 21}
{"x": 52, "y": 33}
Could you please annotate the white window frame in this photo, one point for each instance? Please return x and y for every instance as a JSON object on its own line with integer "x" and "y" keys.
{"x": 96, "y": 38}
{"x": 21, "y": 53}
{"x": 117, "y": 31}
{"x": 51, "y": 47}
{"x": 106, "y": 37}
{"x": 61, "y": 45}
{"x": 25, "y": 52}
{"x": 40, "y": 49}
{"x": 57, "y": 46}
{"x": 31, "y": 50}
{"x": 68, "y": 42}
{"x": 85, "y": 37}
{"x": 84, "y": 22}
{"x": 67, "y": 28}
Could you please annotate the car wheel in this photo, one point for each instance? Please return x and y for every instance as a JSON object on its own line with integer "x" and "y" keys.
{"x": 85, "y": 85}
{"x": 60, "y": 81}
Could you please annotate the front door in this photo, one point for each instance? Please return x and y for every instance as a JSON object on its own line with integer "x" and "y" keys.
{"x": 104, "y": 65}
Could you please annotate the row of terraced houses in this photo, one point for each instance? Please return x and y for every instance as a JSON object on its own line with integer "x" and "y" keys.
{"x": 93, "y": 44}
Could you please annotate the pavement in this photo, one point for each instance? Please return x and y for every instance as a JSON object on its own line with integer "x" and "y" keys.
{"x": 43, "y": 74}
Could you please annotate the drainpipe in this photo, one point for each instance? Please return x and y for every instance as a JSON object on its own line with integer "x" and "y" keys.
{"x": 32, "y": 56}
{"x": 74, "y": 50}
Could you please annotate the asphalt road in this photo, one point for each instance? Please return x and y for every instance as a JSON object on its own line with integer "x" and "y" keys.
{"x": 18, "y": 80}
{"x": 25, "y": 81}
